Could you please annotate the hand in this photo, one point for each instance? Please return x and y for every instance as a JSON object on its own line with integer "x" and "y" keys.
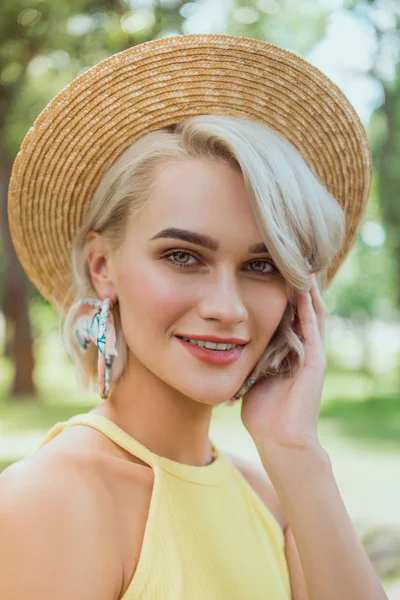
{"x": 281, "y": 412}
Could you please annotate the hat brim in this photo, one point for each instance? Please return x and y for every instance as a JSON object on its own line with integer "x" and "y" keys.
{"x": 89, "y": 123}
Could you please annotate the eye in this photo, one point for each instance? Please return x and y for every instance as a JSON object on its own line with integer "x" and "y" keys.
{"x": 269, "y": 265}
{"x": 272, "y": 269}
{"x": 179, "y": 253}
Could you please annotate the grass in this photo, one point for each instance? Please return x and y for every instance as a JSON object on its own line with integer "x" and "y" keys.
{"x": 372, "y": 422}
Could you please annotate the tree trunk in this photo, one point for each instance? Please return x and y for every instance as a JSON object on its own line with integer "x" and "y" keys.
{"x": 14, "y": 300}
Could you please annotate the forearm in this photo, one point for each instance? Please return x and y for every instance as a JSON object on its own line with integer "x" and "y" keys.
{"x": 335, "y": 563}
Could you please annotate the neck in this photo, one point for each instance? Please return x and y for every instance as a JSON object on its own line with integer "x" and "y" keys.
{"x": 158, "y": 416}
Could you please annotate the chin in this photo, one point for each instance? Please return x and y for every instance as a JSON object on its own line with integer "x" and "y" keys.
{"x": 211, "y": 395}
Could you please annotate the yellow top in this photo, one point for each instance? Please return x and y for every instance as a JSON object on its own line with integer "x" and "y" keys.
{"x": 208, "y": 534}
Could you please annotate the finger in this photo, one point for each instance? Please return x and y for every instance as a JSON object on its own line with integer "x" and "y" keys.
{"x": 317, "y": 296}
{"x": 312, "y": 341}
{"x": 308, "y": 319}
{"x": 319, "y": 306}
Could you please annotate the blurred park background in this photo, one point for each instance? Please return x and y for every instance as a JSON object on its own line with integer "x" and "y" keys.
{"x": 44, "y": 44}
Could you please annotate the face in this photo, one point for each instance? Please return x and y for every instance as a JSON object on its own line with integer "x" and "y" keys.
{"x": 168, "y": 286}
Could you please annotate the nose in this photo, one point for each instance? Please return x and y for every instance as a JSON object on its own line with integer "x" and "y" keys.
{"x": 222, "y": 301}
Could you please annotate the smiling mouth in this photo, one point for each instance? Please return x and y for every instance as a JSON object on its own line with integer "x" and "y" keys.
{"x": 232, "y": 345}
{"x": 213, "y": 356}
{"x": 213, "y": 339}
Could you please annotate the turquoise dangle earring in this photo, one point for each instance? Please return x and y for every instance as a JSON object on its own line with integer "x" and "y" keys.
{"x": 95, "y": 323}
{"x": 250, "y": 381}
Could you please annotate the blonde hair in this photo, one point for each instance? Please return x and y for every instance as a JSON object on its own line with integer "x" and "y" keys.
{"x": 298, "y": 219}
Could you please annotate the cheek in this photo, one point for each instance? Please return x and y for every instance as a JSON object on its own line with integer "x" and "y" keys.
{"x": 270, "y": 311}
{"x": 151, "y": 297}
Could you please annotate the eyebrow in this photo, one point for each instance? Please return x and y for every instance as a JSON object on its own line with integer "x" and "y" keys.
{"x": 202, "y": 240}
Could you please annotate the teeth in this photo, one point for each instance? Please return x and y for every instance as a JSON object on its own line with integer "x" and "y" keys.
{"x": 210, "y": 345}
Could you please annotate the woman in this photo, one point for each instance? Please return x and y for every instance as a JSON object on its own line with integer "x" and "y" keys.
{"x": 173, "y": 210}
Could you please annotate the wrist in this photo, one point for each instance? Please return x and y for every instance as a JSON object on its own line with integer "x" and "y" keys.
{"x": 281, "y": 460}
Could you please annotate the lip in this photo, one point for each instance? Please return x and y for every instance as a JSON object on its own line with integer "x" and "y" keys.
{"x": 213, "y": 338}
{"x": 213, "y": 357}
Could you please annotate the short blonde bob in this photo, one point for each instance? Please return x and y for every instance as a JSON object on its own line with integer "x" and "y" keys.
{"x": 298, "y": 219}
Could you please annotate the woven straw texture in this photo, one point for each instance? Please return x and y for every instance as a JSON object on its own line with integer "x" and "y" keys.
{"x": 89, "y": 123}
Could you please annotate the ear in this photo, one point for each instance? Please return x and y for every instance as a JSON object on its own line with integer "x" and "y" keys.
{"x": 100, "y": 266}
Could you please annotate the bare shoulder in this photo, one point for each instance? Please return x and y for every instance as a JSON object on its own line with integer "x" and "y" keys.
{"x": 125, "y": 485}
{"x": 53, "y": 542}
{"x": 261, "y": 484}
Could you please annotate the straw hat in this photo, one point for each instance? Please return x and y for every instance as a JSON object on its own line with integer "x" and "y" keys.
{"x": 89, "y": 123}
